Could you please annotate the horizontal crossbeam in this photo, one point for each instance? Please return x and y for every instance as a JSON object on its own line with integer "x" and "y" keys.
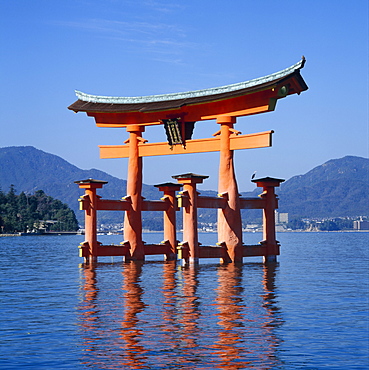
{"x": 113, "y": 205}
{"x": 211, "y": 202}
{"x": 252, "y": 203}
{"x": 155, "y": 205}
{"x": 221, "y": 252}
{"x": 123, "y": 205}
{"x": 105, "y": 250}
{"x": 155, "y": 249}
{"x": 105, "y": 204}
{"x": 221, "y": 202}
{"x": 250, "y": 141}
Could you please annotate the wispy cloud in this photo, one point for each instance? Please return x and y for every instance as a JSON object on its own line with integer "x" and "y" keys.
{"x": 114, "y": 27}
{"x": 164, "y": 7}
{"x": 143, "y": 36}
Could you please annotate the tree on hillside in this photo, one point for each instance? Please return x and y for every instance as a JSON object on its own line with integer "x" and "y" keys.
{"x": 27, "y": 213}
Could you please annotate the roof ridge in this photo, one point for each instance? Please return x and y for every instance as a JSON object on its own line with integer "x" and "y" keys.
{"x": 190, "y": 94}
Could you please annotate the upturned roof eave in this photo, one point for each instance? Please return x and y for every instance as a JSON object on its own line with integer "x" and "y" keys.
{"x": 83, "y": 106}
{"x": 94, "y": 103}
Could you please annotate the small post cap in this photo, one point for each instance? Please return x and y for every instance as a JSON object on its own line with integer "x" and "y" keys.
{"x": 169, "y": 186}
{"x": 189, "y": 175}
{"x": 271, "y": 181}
{"x": 90, "y": 181}
{"x": 90, "y": 184}
{"x": 190, "y": 178}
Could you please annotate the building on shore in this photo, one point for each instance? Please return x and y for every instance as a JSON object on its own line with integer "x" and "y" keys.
{"x": 361, "y": 225}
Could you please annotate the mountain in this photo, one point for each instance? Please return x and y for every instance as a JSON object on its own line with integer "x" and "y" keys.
{"x": 337, "y": 188}
{"x": 30, "y": 169}
{"x": 347, "y": 168}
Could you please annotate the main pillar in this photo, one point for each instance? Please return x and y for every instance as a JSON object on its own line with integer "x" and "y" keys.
{"x": 170, "y": 234}
{"x": 133, "y": 217}
{"x": 229, "y": 218}
{"x": 271, "y": 204}
{"x": 189, "y": 198}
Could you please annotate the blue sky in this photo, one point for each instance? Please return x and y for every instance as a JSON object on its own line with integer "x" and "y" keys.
{"x": 133, "y": 47}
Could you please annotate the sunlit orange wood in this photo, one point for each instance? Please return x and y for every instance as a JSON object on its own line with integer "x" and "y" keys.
{"x": 113, "y": 205}
{"x": 224, "y": 104}
{"x": 271, "y": 204}
{"x": 258, "y": 102}
{"x": 190, "y": 234}
{"x": 249, "y": 141}
{"x": 245, "y": 112}
{"x": 193, "y": 114}
{"x": 252, "y": 203}
{"x": 241, "y": 99}
{"x": 211, "y": 202}
{"x": 169, "y": 217}
{"x": 89, "y": 201}
{"x": 229, "y": 217}
{"x": 155, "y": 205}
{"x": 133, "y": 216}
{"x": 155, "y": 249}
{"x": 113, "y": 250}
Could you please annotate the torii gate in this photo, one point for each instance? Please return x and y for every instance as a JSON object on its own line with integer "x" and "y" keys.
{"x": 178, "y": 113}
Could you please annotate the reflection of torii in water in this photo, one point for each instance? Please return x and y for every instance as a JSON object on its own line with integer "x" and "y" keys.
{"x": 173, "y": 326}
{"x": 178, "y": 112}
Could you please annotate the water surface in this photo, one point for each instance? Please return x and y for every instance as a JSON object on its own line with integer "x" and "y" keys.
{"x": 308, "y": 311}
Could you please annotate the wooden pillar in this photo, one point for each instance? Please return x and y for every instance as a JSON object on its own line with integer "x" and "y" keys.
{"x": 89, "y": 204}
{"x": 271, "y": 204}
{"x": 133, "y": 217}
{"x": 170, "y": 234}
{"x": 229, "y": 218}
{"x": 189, "y": 198}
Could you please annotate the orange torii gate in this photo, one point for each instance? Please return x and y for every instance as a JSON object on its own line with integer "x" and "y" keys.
{"x": 178, "y": 113}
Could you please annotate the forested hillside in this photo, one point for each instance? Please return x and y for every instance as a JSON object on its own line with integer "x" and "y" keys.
{"x": 337, "y": 188}
{"x": 34, "y": 213}
{"x": 31, "y": 169}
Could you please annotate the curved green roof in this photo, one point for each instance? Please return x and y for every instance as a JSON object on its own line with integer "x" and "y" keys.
{"x": 191, "y": 94}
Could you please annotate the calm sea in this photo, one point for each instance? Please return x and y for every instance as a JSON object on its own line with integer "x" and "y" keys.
{"x": 308, "y": 311}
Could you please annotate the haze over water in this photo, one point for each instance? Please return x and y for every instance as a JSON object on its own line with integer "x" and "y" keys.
{"x": 308, "y": 311}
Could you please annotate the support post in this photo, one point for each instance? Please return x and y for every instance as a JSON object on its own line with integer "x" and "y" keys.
{"x": 271, "y": 204}
{"x": 189, "y": 204}
{"x": 133, "y": 217}
{"x": 229, "y": 217}
{"x": 90, "y": 199}
{"x": 170, "y": 235}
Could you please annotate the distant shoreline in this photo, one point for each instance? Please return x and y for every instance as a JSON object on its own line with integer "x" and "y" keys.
{"x": 45, "y": 234}
{"x": 62, "y": 233}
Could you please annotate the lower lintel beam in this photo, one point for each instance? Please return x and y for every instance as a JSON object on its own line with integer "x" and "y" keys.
{"x": 211, "y": 202}
{"x": 252, "y": 203}
{"x": 113, "y": 205}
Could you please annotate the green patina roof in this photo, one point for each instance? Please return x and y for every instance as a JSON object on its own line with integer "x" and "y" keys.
{"x": 191, "y": 94}
{"x": 190, "y": 175}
